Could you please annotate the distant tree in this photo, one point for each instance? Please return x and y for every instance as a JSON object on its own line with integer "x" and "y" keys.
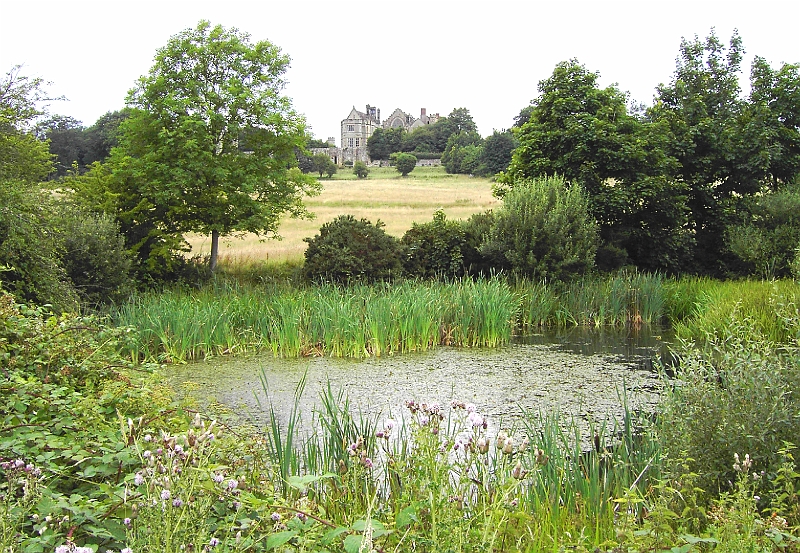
{"x": 405, "y": 163}
{"x": 330, "y": 168}
{"x": 103, "y": 135}
{"x": 179, "y": 164}
{"x": 385, "y": 142}
{"x": 316, "y": 143}
{"x": 462, "y": 146}
{"x": 67, "y": 141}
{"x": 360, "y": 169}
{"x": 421, "y": 139}
{"x": 461, "y": 120}
{"x": 320, "y": 163}
{"x": 496, "y": 153}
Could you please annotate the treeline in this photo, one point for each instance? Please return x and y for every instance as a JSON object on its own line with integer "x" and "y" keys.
{"x": 454, "y": 139}
{"x": 704, "y": 181}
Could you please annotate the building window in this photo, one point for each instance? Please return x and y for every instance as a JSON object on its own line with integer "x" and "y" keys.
{"x": 350, "y": 142}
{"x": 351, "y": 128}
{"x": 358, "y": 142}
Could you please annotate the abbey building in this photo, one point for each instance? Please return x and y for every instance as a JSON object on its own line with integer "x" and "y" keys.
{"x": 358, "y": 126}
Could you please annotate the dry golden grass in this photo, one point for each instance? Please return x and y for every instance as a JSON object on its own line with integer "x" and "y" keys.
{"x": 398, "y": 202}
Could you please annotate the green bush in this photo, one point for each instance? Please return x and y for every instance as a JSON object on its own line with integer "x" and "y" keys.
{"x": 94, "y": 256}
{"x": 30, "y": 249}
{"x": 350, "y": 250}
{"x": 476, "y": 230}
{"x": 543, "y": 230}
{"x": 738, "y": 397}
{"x": 360, "y": 169}
{"x": 435, "y": 249}
{"x": 765, "y": 242}
{"x": 404, "y": 163}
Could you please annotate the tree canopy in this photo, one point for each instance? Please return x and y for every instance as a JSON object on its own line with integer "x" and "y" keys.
{"x": 180, "y": 166}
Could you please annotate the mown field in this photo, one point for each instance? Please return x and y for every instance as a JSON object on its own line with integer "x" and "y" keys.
{"x": 397, "y": 201}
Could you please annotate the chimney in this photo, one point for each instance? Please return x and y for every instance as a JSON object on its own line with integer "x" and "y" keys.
{"x": 422, "y": 113}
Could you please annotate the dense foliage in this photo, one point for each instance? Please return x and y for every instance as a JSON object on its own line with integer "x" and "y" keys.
{"x": 544, "y": 231}
{"x": 351, "y": 250}
{"x": 404, "y": 163}
{"x": 435, "y": 249}
{"x": 666, "y": 184}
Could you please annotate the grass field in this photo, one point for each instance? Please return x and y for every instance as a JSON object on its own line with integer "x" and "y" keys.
{"x": 397, "y": 201}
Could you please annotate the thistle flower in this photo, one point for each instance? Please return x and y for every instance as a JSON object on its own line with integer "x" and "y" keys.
{"x": 518, "y": 472}
{"x": 475, "y": 419}
{"x": 508, "y": 446}
{"x": 501, "y": 439}
{"x": 213, "y": 542}
{"x": 275, "y": 516}
{"x": 177, "y": 502}
{"x": 483, "y": 444}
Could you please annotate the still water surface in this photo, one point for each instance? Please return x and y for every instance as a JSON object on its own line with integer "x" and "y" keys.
{"x": 578, "y": 372}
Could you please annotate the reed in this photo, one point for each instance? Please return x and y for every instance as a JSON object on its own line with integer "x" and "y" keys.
{"x": 768, "y": 308}
{"x": 383, "y": 319}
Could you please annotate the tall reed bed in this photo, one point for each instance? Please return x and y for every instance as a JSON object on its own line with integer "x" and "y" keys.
{"x": 769, "y": 309}
{"x": 382, "y": 319}
{"x": 330, "y": 320}
{"x": 625, "y": 298}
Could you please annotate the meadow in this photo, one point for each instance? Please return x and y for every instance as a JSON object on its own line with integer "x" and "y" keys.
{"x": 384, "y": 195}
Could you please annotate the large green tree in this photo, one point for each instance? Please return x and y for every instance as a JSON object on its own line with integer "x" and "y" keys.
{"x": 496, "y": 152}
{"x": 586, "y": 134}
{"x": 180, "y": 167}
{"x": 701, "y": 109}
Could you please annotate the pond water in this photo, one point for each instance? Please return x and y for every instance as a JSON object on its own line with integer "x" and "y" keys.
{"x": 578, "y": 372}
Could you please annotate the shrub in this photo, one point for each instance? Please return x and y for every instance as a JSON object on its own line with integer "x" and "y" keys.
{"x": 94, "y": 256}
{"x": 350, "y": 250}
{"x": 543, "y": 230}
{"x": 476, "y": 230}
{"x": 435, "y": 249}
{"x": 360, "y": 169}
{"x": 404, "y": 163}
{"x": 764, "y": 243}
{"x": 30, "y": 249}
{"x": 737, "y": 397}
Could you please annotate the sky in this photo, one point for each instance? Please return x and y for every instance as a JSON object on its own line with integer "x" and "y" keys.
{"x": 487, "y": 56}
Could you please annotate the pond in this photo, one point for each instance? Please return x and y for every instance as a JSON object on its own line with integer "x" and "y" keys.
{"x": 578, "y": 372}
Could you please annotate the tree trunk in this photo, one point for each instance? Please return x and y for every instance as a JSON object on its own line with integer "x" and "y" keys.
{"x": 214, "y": 250}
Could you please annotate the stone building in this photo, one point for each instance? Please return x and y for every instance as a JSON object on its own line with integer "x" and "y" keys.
{"x": 358, "y": 126}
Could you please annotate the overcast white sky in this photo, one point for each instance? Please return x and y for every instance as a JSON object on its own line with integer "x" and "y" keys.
{"x": 487, "y": 56}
